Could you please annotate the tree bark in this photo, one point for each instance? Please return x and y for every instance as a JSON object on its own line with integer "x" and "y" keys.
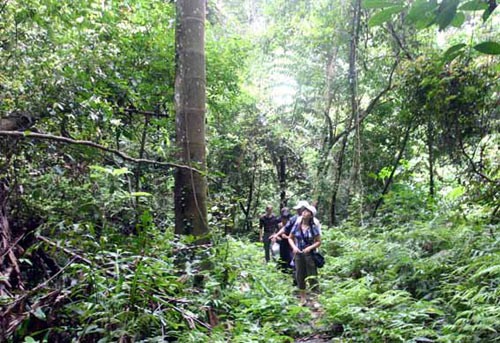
{"x": 282, "y": 180}
{"x": 353, "y": 78}
{"x": 430, "y": 148}
{"x": 190, "y": 188}
{"x": 248, "y": 217}
{"x": 328, "y": 141}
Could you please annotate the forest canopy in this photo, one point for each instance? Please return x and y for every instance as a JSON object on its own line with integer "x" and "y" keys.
{"x": 141, "y": 142}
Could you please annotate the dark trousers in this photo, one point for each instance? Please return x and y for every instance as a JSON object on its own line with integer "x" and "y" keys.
{"x": 305, "y": 268}
{"x": 267, "y": 246}
{"x": 285, "y": 255}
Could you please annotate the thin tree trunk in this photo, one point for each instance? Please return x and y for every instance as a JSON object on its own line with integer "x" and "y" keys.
{"x": 248, "y": 219}
{"x": 353, "y": 78}
{"x": 430, "y": 148}
{"x": 282, "y": 180}
{"x": 336, "y": 185}
{"x": 190, "y": 188}
{"x": 330, "y": 130}
{"x": 393, "y": 171}
{"x": 247, "y": 207}
{"x": 138, "y": 168}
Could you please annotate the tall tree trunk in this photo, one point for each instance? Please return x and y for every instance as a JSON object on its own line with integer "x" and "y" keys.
{"x": 430, "y": 148}
{"x": 190, "y": 187}
{"x": 282, "y": 180}
{"x": 328, "y": 141}
{"x": 336, "y": 185}
{"x": 248, "y": 217}
{"x": 353, "y": 87}
{"x": 138, "y": 169}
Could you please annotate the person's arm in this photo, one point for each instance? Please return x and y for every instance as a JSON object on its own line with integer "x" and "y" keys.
{"x": 261, "y": 229}
{"x": 286, "y": 228}
{"x": 277, "y": 222}
{"x": 291, "y": 241}
{"x": 277, "y": 236}
{"x": 318, "y": 225}
{"x": 280, "y": 231}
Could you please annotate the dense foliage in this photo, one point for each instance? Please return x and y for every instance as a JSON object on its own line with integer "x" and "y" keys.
{"x": 384, "y": 113}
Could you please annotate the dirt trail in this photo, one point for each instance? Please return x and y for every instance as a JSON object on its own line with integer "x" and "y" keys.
{"x": 318, "y": 335}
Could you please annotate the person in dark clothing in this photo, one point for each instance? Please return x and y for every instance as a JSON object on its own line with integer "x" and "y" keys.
{"x": 268, "y": 225}
{"x": 285, "y": 250}
{"x": 301, "y": 205}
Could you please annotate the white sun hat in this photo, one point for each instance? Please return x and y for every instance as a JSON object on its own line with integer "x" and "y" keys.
{"x": 301, "y": 204}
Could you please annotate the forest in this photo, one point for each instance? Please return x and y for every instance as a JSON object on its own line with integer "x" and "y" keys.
{"x": 143, "y": 141}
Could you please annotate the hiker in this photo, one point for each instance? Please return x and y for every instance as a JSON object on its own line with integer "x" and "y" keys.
{"x": 268, "y": 225}
{"x": 305, "y": 237}
{"x": 291, "y": 222}
{"x": 282, "y": 239}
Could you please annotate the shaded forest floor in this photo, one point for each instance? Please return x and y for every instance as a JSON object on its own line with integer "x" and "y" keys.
{"x": 428, "y": 277}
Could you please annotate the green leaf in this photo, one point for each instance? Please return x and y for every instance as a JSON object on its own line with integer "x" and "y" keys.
{"x": 384, "y": 15}
{"x": 487, "y": 13}
{"x": 140, "y": 194}
{"x": 474, "y": 6}
{"x": 454, "y": 48}
{"x": 378, "y": 4}
{"x": 422, "y": 13}
{"x": 489, "y": 48}
{"x": 101, "y": 169}
{"x": 493, "y": 270}
{"x": 40, "y": 314}
{"x": 453, "y": 52}
{"x": 458, "y": 20}
{"x": 29, "y": 339}
{"x": 121, "y": 171}
{"x": 446, "y": 13}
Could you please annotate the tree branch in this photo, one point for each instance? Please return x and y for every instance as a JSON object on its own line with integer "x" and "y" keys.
{"x": 473, "y": 164}
{"x": 370, "y": 106}
{"x": 394, "y": 167}
{"x": 147, "y": 113}
{"x": 398, "y": 41}
{"x": 96, "y": 146}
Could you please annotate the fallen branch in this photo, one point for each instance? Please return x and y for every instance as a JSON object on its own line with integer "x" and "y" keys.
{"x": 13, "y": 304}
{"x": 74, "y": 255}
{"x": 96, "y": 146}
{"x": 191, "y": 319}
{"x": 67, "y": 251}
{"x": 12, "y": 245}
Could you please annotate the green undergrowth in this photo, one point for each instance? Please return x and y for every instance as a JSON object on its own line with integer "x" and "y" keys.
{"x": 431, "y": 279}
{"x": 434, "y": 278}
{"x": 157, "y": 288}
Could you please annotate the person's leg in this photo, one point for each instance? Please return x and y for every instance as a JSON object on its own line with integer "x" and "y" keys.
{"x": 300, "y": 276}
{"x": 267, "y": 247}
{"x": 282, "y": 262}
{"x": 285, "y": 257}
{"x": 311, "y": 272}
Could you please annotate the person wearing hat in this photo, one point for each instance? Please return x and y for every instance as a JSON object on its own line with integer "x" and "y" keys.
{"x": 304, "y": 239}
{"x": 268, "y": 225}
{"x": 285, "y": 230}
